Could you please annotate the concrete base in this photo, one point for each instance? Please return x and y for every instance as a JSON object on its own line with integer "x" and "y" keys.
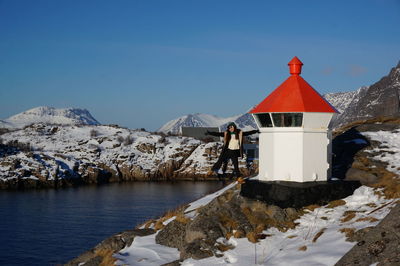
{"x": 297, "y": 195}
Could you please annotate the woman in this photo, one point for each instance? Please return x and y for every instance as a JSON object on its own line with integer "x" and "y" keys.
{"x": 232, "y": 149}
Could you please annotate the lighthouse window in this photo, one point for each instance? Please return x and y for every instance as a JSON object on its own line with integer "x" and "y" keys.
{"x": 287, "y": 119}
{"x": 264, "y": 120}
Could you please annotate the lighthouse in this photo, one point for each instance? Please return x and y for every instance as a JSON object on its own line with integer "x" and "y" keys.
{"x": 294, "y": 141}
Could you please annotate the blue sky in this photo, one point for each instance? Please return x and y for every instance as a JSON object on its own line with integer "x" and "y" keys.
{"x": 142, "y": 63}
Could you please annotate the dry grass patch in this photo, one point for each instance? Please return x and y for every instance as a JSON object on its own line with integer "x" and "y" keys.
{"x": 390, "y": 184}
{"x": 311, "y": 208}
{"x": 228, "y": 222}
{"x": 292, "y": 236}
{"x": 252, "y": 237}
{"x": 303, "y": 248}
{"x": 281, "y": 226}
{"x": 348, "y": 232}
{"x": 372, "y": 205}
{"x": 348, "y": 215}
{"x": 336, "y": 203}
{"x": 224, "y": 247}
{"x": 181, "y": 218}
{"x": 239, "y": 234}
{"x": 106, "y": 254}
{"x": 148, "y": 224}
{"x": 159, "y": 225}
{"x": 317, "y": 235}
{"x": 324, "y": 218}
{"x": 252, "y": 218}
{"x": 367, "y": 219}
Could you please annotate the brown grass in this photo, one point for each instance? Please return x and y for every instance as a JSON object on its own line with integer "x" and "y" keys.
{"x": 348, "y": 215}
{"x": 292, "y": 236}
{"x": 259, "y": 228}
{"x": 223, "y": 247}
{"x": 239, "y": 234}
{"x": 252, "y": 237}
{"x": 390, "y": 184}
{"x": 372, "y": 205}
{"x": 367, "y": 219}
{"x": 336, "y": 203}
{"x": 148, "y": 223}
{"x": 159, "y": 225}
{"x": 317, "y": 235}
{"x": 311, "y": 207}
{"x": 281, "y": 226}
{"x": 106, "y": 254}
{"x": 228, "y": 222}
{"x": 349, "y": 232}
{"x": 324, "y": 218}
{"x": 303, "y": 248}
{"x": 181, "y": 218}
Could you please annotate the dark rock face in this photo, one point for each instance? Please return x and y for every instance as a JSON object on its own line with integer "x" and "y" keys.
{"x": 175, "y": 229}
{"x": 379, "y": 244}
{"x": 298, "y": 195}
{"x": 378, "y": 100}
{"x": 344, "y": 148}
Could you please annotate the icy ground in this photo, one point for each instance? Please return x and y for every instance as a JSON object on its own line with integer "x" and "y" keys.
{"x": 319, "y": 239}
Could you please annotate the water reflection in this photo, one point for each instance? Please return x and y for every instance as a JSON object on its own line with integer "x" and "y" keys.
{"x": 47, "y": 227}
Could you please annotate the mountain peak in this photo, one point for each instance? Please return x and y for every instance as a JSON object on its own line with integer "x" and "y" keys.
{"x": 51, "y": 115}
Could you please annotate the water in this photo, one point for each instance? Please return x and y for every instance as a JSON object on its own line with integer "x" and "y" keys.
{"x": 50, "y": 227}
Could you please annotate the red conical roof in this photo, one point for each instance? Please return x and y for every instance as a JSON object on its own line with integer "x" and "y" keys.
{"x": 294, "y": 95}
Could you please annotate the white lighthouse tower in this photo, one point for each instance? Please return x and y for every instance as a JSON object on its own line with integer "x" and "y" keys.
{"x": 295, "y": 142}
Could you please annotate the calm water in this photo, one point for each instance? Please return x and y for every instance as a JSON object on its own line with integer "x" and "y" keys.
{"x": 49, "y": 227}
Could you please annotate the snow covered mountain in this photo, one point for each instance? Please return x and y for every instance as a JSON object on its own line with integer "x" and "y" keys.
{"x": 244, "y": 121}
{"x": 340, "y": 100}
{"x": 381, "y": 99}
{"x": 50, "y": 115}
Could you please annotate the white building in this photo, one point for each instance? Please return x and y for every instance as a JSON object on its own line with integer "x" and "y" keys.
{"x": 295, "y": 142}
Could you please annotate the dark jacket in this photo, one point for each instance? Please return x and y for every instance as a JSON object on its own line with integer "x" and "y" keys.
{"x": 227, "y": 137}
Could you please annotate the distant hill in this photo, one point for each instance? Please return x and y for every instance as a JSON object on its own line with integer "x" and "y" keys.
{"x": 50, "y": 115}
{"x": 244, "y": 121}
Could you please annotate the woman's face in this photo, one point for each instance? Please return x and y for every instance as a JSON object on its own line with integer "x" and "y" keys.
{"x": 231, "y": 128}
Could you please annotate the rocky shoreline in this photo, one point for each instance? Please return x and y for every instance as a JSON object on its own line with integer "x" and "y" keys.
{"x": 45, "y": 156}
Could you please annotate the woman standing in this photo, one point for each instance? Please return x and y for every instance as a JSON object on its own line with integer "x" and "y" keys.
{"x": 232, "y": 149}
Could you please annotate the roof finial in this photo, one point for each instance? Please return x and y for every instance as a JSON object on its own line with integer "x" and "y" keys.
{"x": 295, "y": 66}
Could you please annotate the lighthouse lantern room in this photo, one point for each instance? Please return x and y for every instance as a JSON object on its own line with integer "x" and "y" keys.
{"x": 295, "y": 141}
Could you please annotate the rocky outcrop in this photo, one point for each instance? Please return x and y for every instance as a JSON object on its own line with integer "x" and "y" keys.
{"x": 380, "y": 244}
{"x": 226, "y": 216}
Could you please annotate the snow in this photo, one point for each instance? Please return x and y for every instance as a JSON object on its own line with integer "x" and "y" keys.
{"x": 205, "y": 200}
{"x": 389, "y": 149}
{"x": 298, "y": 246}
{"x": 144, "y": 251}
